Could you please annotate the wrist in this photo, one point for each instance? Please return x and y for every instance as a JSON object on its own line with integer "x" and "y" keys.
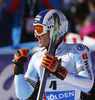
{"x": 18, "y": 69}
{"x": 61, "y": 72}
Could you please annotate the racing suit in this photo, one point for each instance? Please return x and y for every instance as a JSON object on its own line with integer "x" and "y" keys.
{"x": 75, "y": 58}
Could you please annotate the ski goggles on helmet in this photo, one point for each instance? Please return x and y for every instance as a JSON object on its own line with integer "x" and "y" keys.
{"x": 40, "y": 29}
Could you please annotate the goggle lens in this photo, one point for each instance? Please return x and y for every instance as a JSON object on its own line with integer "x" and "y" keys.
{"x": 39, "y": 29}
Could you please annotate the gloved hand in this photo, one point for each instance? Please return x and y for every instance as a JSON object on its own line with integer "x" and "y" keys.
{"x": 52, "y": 64}
{"x": 20, "y": 57}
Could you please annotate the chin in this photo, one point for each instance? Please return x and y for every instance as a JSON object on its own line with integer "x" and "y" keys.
{"x": 41, "y": 45}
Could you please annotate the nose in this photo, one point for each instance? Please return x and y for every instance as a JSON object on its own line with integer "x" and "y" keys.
{"x": 36, "y": 36}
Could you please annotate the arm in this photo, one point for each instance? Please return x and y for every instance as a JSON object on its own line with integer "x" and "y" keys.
{"x": 31, "y": 75}
{"x": 22, "y": 87}
{"x": 84, "y": 78}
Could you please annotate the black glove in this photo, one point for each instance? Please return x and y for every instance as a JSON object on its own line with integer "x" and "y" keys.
{"x": 20, "y": 57}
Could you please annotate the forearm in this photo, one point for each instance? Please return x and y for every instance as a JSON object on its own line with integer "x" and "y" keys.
{"x": 82, "y": 83}
{"x": 22, "y": 88}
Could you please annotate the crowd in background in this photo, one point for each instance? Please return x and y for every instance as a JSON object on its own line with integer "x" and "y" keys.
{"x": 16, "y": 18}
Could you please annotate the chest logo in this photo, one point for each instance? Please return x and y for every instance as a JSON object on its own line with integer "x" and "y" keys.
{"x": 80, "y": 47}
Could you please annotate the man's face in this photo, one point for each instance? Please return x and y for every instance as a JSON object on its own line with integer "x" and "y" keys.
{"x": 43, "y": 40}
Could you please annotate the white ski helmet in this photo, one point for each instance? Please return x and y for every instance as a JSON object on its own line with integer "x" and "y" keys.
{"x": 46, "y": 19}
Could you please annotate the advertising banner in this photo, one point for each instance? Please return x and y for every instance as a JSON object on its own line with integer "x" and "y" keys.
{"x": 7, "y": 89}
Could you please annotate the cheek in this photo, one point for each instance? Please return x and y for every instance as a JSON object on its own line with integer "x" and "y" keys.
{"x": 46, "y": 41}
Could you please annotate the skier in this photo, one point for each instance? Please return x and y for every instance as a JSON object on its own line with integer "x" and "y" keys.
{"x": 71, "y": 67}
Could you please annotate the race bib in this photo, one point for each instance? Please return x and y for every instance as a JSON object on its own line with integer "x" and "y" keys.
{"x": 59, "y": 95}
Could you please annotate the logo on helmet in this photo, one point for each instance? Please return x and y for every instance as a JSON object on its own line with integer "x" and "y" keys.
{"x": 50, "y": 18}
{"x": 37, "y": 18}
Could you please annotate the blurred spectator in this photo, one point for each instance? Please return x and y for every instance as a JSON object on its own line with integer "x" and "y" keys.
{"x": 91, "y": 5}
{"x": 49, "y": 4}
{"x": 79, "y": 11}
{"x": 66, "y": 9}
{"x": 75, "y": 11}
{"x": 16, "y": 7}
{"x": 31, "y": 9}
{"x": 6, "y": 22}
{"x": 88, "y": 28}
{"x": 11, "y": 16}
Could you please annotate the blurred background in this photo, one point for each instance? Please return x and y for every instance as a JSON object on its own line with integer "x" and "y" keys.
{"x": 17, "y": 31}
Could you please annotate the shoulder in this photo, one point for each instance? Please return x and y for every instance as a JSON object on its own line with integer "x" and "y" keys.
{"x": 78, "y": 49}
{"x": 78, "y": 46}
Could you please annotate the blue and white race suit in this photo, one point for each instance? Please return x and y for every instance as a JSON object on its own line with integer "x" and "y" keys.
{"x": 75, "y": 58}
